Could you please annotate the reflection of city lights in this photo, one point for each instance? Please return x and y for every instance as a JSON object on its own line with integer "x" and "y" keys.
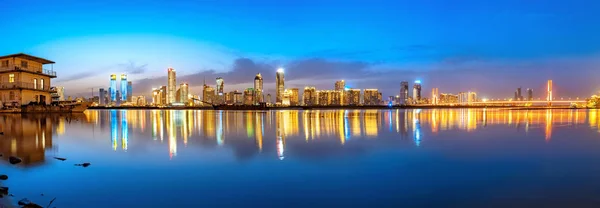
{"x": 114, "y": 128}
{"x": 124, "y": 133}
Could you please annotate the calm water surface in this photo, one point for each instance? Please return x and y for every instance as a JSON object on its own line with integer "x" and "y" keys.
{"x": 366, "y": 158}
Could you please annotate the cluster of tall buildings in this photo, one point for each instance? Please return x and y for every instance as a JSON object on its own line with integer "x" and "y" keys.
{"x": 116, "y": 95}
{"x": 171, "y": 94}
{"x": 519, "y": 96}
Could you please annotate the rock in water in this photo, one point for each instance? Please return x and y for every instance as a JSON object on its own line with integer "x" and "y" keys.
{"x": 83, "y": 164}
{"x": 14, "y": 160}
{"x": 60, "y": 158}
{"x": 25, "y": 203}
{"x": 3, "y": 177}
{"x": 4, "y": 190}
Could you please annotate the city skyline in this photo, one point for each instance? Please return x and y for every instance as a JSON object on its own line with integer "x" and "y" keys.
{"x": 449, "y": 49}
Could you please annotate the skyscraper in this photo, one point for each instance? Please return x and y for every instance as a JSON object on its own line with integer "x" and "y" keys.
{"x": 102, "y": 97}
{"x": 549, "y": 96}
{"x": 404, "y": 92}
{"x": 163, "y": 95}
{"x": 258, "y": 89}
{"x": 279, "y": 86}
{"x": 371, "y": 97}
{"x": 340, "y": 85}
{"x": 113, "y": 88}
{"x": 309, "y": 96}
{"x": 529, "y": 94}
{"x": 417, "y": 91}
{"x": 269, "y": 99}
{"x": 435, "y": 96}
{"x": 518, "y": 95}
{"x": 294, "y": 97}
{"x": 129, "y": 91}
{"x": 171, "y": 86}
{"x": 207, "y": 94}
{"x": 220, "y": 86}
{"x": 183, "y": 93}
{"x": 123, "y": 88}
{"x": 353, "y": 97}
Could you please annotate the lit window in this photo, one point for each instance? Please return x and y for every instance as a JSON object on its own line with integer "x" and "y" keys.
{"x": 11, "y": 78}
{"x": 34, "y": 83}
{"x": 24, "y": 64}
{"x": 42, "y": 84}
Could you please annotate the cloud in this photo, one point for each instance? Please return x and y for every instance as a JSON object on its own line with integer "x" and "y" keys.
{"x": 132, "y": 68}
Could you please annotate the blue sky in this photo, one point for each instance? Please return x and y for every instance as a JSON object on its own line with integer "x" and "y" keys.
{"x": 491, "y": 47}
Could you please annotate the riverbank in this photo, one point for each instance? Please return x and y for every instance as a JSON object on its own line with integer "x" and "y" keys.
{"x": 379, "y": 107}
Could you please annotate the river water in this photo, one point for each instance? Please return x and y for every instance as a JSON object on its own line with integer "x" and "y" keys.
{"x": 317, "y": 158}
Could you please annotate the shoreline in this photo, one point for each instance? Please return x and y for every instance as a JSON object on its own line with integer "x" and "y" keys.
{"x": 380, "y": 107}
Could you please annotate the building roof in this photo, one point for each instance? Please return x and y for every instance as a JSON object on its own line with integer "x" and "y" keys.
{"x": 28, "y": 57}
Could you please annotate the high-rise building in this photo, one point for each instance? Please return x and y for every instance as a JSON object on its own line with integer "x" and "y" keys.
{"x": 123, "y": 86}
{"x": 371, "y": 97}
{"x": 518, "y": 95}
{"x": 208, "y": 94}
{"x": 130, "y": 91}
{"x": 258, "y": 89}
{"x": 403, "y": 92}
{"x": 140, "y": 100}
{"x": 238, "y": 98}
{"x": 353, "y": 96}
{"x": 472, "y": 97}
{"x": 249, "y": 96}
{"x": 340, "y": 85}
{"x": 101, "y": 97}
{"x": 529, "y": 94}
{"x": 323, "y": 97}
{"x": 183, "y": 93}
{"x": 336, "y": 97}
{"x": 309, "y": 96}
{"x": 294, "y": 99}
{"x": 448, "y": 99}
{"x": 434, "y": 96}
{"x": 417, "y": 91}
{"x": 171, "y": 86}
{"x": 269, "y": 101}
{"x": 279, "y": 86}
{"x": 113, "y": 88}
{"x": 163, "y": 95}
{"x": 549, "y": 96}
{"x": 118, "y": 98}
{"x": 156, "y": 100}
{"x": 219, "y": 90}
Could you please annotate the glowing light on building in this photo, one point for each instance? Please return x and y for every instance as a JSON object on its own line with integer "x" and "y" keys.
{"x": 171, "y": 86}
{"x": 279, "y": 86}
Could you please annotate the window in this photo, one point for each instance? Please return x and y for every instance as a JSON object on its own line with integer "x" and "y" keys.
{"x": 42, "y": 84}
{"x": 11, "y": 78}
{"x": 11, "y": 95}
{"x": 4, "y": 63}
{"x": 24, "y": 64}
{"x": 34, "y": 83}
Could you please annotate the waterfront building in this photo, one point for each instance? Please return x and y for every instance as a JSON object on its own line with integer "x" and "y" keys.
{"x": 102, "y": 97}
{"x": 293, "y": 93}
{"x": 353, "y": 97}
{"x": 529, "y": 94}
{"x": 309, "y": 96}
{"x": 171, "y": 86}
{"x": 208, "y": 94}
{"x": 156, "y": 101}
{"x": 183, "y": 93}
{"x": 238, "y": 98}
{"x": 24, "y": 80}
{"x": 417, "y": 91}
{"x": 279, "y": 86}
{"x": 249, "y": 96}
{"x": 219, "y": 90}
{"x": 269, "y": 101}
{"x": 163, "y": 95}
{"x": 404, "y": 93}
{"x": 140, "y": 100}
{"x": 113, "y": 88}
{"x": 371, "y": 97}
{"x": 434, "y": 96}
{"x": 323, "y": 97}
{"x": 336, "y": 97}
{"x": 129, "y": 91}
{"x": 58, "y": 93}
{"x": 123, "y": 88}
{"x": 340, "y": 85}
{"x": 258, "y": 89}
{"x": 448, "y": 99}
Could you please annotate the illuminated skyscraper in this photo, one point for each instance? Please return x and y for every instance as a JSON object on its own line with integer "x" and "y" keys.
{"x": 340, "y": 85}
{"x": 404, "y": 92}
{"x": 102, "y": 97}
{"x": 248, "y": 96}
{"x": 279, "y": 87}
{"x": 123, "y": 88}
{"x": 549, "y": 96}
{"x": 529, "y": 94}
{"x": 353, "y": 96}
{"x": 518, "y": 95}
{"x": 129, "y": 91}
{"x": 156, "y": 97}
{"x": 113, "y": 88}
{"x": 163, "y": 95}
{"x": 183, "y": 93}
{"x": 208, "y": 94}
{"x": 269, "y": 101}
{"x": 294, "y": 100}
{"x": 417, "y": 91}
{"x": 220, "y": 86}
{"x": 258, "y": 89}
{"x": 435, "y": 96}
{"x": 171, "y": 86}
{"x": 371, "y": 97}
{"x": 309, "y": 96}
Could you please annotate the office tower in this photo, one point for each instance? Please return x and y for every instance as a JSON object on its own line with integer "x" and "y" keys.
{"x": 130, "y": 91}
{"x": 238, "y": 98}
{"x": 404, "y": 92}
{"x": 353, "y": 97}
{"x": 294, "y": 100}
{"x": 323, "y": 97}
{"x": 269, "y": 101}
{"x": 248, "y": 96}
{"x": 113, "y": 88}
{"x": 102, "y": 97}
{"x": 258, "y": 89}
{"x": 118, "y": 94}
{"x": 163, "y": 95}
{"x": 279, "y": 86}
{"x": 472, "y": 97}
{"x": 434, "y": 96}
{"x": 529, "y": 94}
{"x": 417, "y": 91}
{"x": 518, "y": 95}
{"x": 219, "y": 90}
{"x": 140, "y": 100}
{"x": 171, "y": 86}
{"x": 123, "y": 86}
{"x": 336, "y": 97}
{"x": 156, "y": 101}
{"x": 463, "y": 97}
{"x": 371, "y": 97}
{"x": 208, "y": 94}
{"x": 183, "y": 93}
{"x": 340, "y": 85}
{"x": 309, "y": 96}
{"x": 549, "y": 96}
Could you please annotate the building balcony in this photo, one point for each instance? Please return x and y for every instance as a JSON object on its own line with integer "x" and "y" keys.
{"x": 24, "y": 85}
{"x": 34, "y": 70}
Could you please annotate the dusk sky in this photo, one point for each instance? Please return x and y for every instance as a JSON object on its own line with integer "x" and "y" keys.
{"x": 491, "y": 47}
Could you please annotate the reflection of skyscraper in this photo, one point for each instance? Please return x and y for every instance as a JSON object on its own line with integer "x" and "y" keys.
{"x": 280, "y": 135}
{"x": 171, "y": 86}
{"x": 113, "y": 88}
{"x": 279, "y": 86}
{"x": 114, "y": 128}
{"x": 124, "y": 130}
{"x": 258, "y": 89}
{"x": 124, "y": 88}
{"x": 417, "y": 91}
{"x": 404, "y": 92}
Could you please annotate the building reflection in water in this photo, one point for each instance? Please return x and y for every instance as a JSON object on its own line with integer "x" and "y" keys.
{"x": 227, "y": 128}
